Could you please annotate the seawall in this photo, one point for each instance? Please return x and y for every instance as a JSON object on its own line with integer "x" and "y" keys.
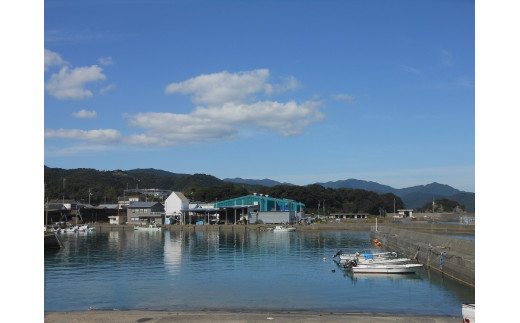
{"x": 452, "y": 257}
{"x": 354, "y": 226}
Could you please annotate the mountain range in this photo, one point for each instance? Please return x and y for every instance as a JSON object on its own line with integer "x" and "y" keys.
{"x": 413, "y": 197}
{"x": 107, "y": 183}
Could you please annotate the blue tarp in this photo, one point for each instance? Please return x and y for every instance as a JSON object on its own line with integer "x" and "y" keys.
{"x": 368, "y": 256}
{"x": 200, "y": 223}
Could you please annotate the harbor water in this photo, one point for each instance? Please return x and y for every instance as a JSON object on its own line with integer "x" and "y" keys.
{"x": 247, "y": 270}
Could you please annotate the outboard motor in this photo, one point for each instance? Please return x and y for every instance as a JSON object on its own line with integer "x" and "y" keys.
{"x": 337, "y": 254}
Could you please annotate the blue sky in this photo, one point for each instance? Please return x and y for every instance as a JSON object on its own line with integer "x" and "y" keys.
{"x": 294, "y": 91}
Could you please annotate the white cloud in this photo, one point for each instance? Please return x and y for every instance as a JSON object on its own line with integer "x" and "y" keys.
{"x": 98, "y": 135}
{"x": 219, "y": 88}
{"x": 227, "y": 110}
{"x": 84, "y": 114}
{"x": 223, "y": 122}
{"x": 344, "y": 97}
{"x": 51, "y": 58}
{"x": 70, "y": 83}
{"x": 106, "y": 61}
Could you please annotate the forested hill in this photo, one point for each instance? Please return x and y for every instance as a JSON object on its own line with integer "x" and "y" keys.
{"x": 106, "y": 186}
{"x": 415, "y": 196}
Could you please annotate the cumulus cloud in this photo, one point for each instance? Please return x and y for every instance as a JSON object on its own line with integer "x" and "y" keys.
{"x": 222, "y": 122}
{"x": 224, "y": 109}
{"x": 84, "y": 114}
{"x": 97, "y": 135}
{"x": 51, "y": 58}
{"x": 219, "y": 88}
{"x": 70, "y": 83}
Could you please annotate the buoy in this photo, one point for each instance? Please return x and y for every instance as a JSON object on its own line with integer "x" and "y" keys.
{"x": 324, "y": 259}
{"x": 333, "y": 270}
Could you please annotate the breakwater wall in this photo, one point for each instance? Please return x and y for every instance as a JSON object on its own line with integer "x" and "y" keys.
{"x": 452, "y": 257}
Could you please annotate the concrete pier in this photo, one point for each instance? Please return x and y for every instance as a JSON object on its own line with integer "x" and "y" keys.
{"x": 239, "y": 316}
{"x": 452, "y": 257}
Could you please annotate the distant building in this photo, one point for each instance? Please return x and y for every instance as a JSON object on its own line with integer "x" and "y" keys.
{"x": 405, "y": 213}
{"x": 124, "y": 201}
{"x": 145, "y": 213}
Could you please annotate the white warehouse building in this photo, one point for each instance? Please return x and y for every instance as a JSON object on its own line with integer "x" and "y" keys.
{"x": 174, "y": 204}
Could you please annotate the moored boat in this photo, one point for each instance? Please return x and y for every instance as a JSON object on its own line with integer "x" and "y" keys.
{"x": 151, "y": 227}
{"x": 85, "y": 228}
{"x": 343, "y": 257}
{"x": 280, "y": 228}
{"x": 71, "y": 229}
{"x": 386, "y": 269}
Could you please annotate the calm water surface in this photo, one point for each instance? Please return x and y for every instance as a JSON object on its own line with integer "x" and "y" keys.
{"x": 233, "y": 271}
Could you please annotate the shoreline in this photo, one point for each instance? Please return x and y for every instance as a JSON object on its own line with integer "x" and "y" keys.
{"x": 108, "y": 316}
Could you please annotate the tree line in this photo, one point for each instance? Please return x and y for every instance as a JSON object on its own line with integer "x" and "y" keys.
{"x": 107, "y": 186}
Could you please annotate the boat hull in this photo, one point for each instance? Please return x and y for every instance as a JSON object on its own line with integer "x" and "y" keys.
{"x": 386, "y": 269}
{"x": 468, "y": 313}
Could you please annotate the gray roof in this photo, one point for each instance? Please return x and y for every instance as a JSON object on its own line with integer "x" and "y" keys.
{"x": 143, "y": 204}
{"x": 108, "y": 206}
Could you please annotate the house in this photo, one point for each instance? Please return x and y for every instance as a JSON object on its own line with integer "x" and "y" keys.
{"x": 173, "y": 205}
{"x": 113, "y": 213}
{"x": 145, "y": 213}
{"x": 404, "y": 213}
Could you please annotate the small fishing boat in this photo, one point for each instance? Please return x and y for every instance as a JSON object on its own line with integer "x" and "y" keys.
{"x": 71, "y": 229}
{"x": 280, "y": 228}
{"x": 151, "y": 227}
{"x": 343, "y": 257}
{"x": 386, "y": 269}
{"x": 384, "y": 261}
{"x": 85, "y": 228}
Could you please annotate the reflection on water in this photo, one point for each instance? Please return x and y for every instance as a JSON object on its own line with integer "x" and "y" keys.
{"x": 233, "y": 270}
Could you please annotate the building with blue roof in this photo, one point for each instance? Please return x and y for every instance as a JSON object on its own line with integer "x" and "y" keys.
{"x": 259, "y": 208}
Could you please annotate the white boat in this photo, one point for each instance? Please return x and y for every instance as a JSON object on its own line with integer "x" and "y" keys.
{"x": 280, "y": 228}
{"x": 364, "y": 256}
{"x": 386, "y": 269}
{"x": 384, "y": 261}
{"x": 468, "y": 313}
{"x": 85, "y": 228}
{"x": 71, "y": 229}
{"x": 151, "y": 227}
